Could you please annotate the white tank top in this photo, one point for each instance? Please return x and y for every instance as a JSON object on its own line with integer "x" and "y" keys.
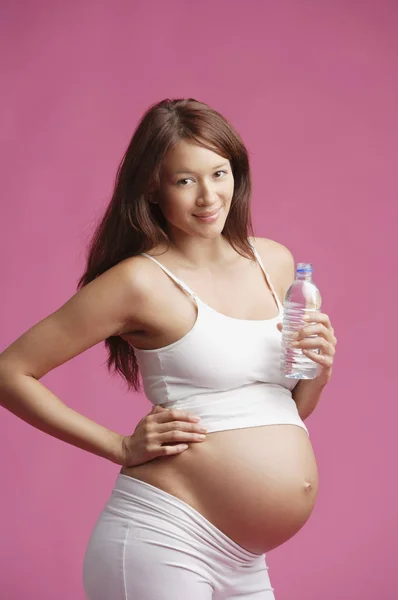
{"x": 225, "y": 370}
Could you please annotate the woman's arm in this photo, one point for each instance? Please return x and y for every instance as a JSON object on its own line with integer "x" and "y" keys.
{"x": 100, "y": 309}
{"x": 306, "y": 395}
{"x": 30, "y": 400}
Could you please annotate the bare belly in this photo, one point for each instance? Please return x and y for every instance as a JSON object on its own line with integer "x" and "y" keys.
{"x": 258, "y": 485}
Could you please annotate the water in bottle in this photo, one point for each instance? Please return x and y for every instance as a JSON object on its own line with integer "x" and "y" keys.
{"x": 303, "y": 297}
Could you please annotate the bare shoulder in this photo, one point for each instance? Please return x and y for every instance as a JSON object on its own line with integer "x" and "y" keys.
{"x": 278, "y": 261}
{"x": 271, "y": 249}
{"x": 103, "y": 308}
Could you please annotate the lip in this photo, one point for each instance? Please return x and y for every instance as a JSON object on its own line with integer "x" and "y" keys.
{"x": 208, "y": 216}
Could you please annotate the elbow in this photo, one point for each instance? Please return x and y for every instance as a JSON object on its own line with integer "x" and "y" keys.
{"x": 10, "y": 380}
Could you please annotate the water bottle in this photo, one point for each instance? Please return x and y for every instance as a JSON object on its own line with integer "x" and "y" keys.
{"x": 302, "y": 297}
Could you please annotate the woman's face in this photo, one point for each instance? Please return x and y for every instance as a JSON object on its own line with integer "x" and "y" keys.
{"x": 195, "y": 181}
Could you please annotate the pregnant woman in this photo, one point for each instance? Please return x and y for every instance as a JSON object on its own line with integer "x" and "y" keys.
{"x": 222, "y": 469}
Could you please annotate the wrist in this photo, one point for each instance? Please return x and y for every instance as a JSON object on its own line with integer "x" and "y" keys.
{"x": 115, "y": 449}
{"x": 320, "y": 381}
{"x": 324, "y": 378}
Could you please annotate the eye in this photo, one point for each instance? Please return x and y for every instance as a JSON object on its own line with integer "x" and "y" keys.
{"x": 179, "y": 182}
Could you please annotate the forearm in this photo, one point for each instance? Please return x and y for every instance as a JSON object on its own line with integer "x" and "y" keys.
{"x": 307, "y": 394}
{"x": 31, "y": 401}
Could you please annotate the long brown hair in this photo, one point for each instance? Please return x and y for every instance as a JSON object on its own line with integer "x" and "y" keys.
{"x": 132, "y": 224}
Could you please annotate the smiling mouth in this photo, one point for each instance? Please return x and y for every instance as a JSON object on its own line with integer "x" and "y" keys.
{"x": 211, "y": 214}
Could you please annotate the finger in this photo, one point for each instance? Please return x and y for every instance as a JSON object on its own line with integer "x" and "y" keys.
{"x": 322, "y": 359}
{"x": 319, "y": 318}
{"x": 170, "y": 450}
{"x": 175, "y": 415}
{"x": 319, "y": 329}
{"x": 177, "y": 437}
{"x": 180, "y": 426}
{"x": 314, "y": 343}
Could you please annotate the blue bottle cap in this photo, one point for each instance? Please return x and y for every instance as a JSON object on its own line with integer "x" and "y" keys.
{"x": 304, "y": 267}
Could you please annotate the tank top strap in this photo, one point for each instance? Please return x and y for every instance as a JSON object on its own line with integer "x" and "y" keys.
{"x": 268, "y": 278}
{"x": 178, "y": 281}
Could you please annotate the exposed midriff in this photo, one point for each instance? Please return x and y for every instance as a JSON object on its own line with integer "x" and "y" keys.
{"x": 258, "y": 485}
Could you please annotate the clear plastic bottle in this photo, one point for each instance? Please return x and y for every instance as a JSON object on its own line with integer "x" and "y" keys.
{"x": 303, "y": 297}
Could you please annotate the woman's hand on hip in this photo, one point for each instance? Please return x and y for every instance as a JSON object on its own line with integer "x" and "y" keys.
{"x": 163, "y": 432}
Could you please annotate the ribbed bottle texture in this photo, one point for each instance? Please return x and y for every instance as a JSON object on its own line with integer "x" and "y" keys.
{"x": 303, "y": 297}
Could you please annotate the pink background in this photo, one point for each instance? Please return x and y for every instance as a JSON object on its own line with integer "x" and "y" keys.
{"x": 312, "y": 88}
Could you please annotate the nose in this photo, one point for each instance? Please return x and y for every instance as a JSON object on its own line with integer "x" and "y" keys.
{"x": 207, "y": 195}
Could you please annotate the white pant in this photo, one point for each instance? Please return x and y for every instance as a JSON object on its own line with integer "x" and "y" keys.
{"x": 149, "y": 545}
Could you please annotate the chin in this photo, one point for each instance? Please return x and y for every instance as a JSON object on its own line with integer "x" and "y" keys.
{"x": 209, "y": 235}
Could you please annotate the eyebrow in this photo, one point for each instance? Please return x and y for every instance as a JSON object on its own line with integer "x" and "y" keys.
{"x": 193, "y": 172}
